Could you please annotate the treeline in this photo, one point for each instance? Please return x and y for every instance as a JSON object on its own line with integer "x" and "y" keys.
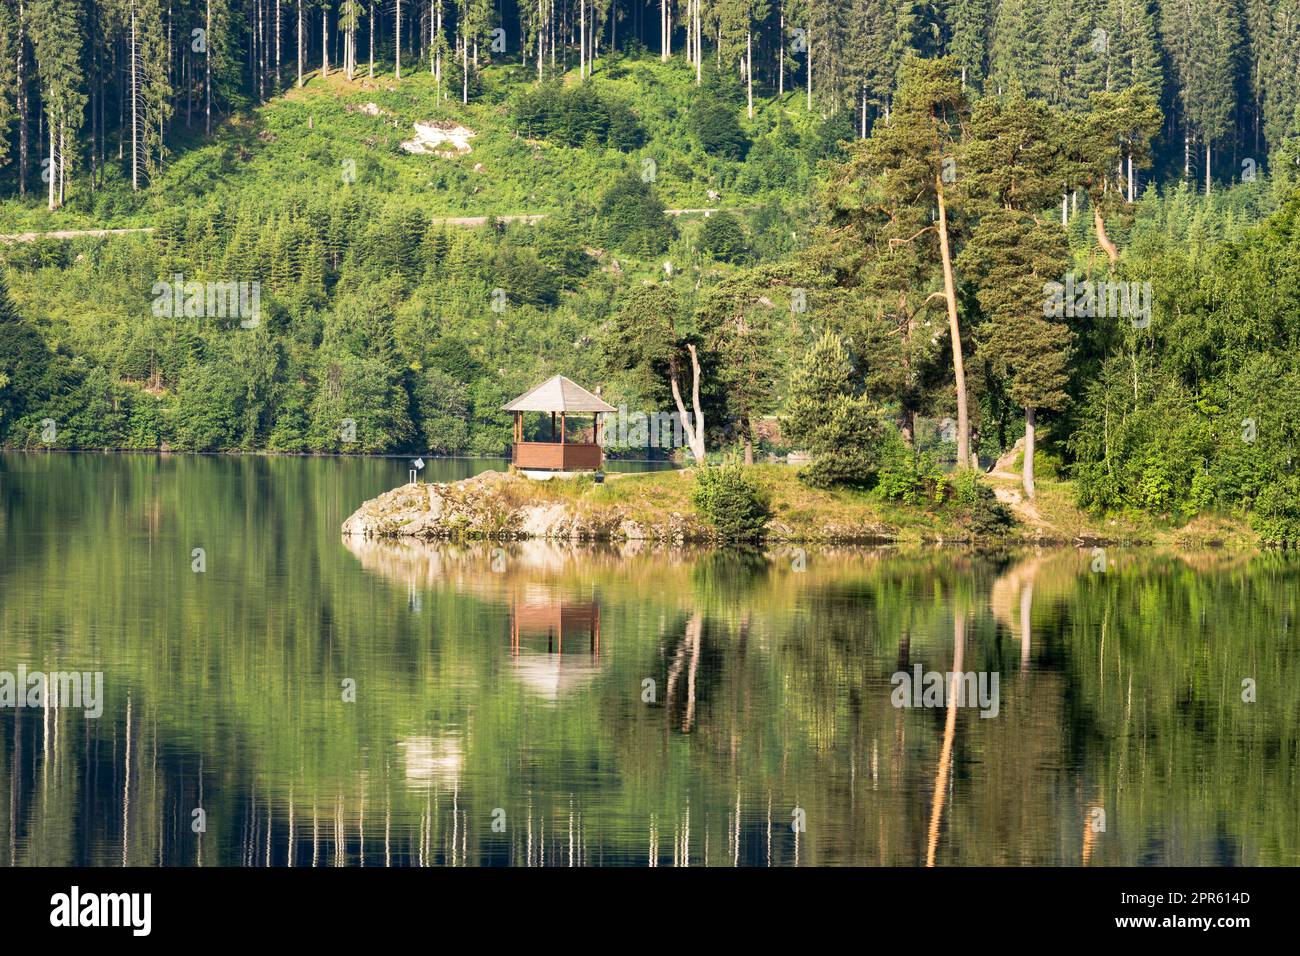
{"x": 102, "y": 88}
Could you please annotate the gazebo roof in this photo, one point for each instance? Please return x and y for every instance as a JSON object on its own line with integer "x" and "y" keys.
{"x": 558, "y": 394}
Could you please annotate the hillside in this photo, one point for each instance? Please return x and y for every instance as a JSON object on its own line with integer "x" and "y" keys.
{"x": 333, "y": 135}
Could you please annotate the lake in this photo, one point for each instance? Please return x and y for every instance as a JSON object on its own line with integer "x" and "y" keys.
{"x": 273, "y": 694}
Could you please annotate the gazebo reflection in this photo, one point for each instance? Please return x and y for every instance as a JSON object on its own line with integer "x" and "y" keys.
{"x": 554, "y": 641}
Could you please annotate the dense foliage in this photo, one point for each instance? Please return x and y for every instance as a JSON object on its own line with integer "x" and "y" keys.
{"x": 731, "y": 501}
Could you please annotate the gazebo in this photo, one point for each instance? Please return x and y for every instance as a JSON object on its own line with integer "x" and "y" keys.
{"x": 558, "y": 396}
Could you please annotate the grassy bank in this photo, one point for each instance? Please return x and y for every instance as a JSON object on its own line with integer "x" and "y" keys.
{"x": 809, "y": 514}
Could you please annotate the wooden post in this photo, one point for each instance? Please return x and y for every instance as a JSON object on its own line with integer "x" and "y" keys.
{"x": 552, "y": 426}
{"x": 561, "y": 428}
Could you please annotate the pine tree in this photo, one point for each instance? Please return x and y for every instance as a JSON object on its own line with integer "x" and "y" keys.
{"x": 8, "y": 73}
{"x": 1012, "y": 166}
{"x": 1275, "y": 42}
{"x": 888, "y": 233}
{"x": 1204, "y": 40}
{"x": 1106, "y": 143}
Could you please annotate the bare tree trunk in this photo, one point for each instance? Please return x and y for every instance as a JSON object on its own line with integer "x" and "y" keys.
{"x": 749, "y": 70}
{"x": 665, "y": 41}
{"x": 780, "y": 45}
{"x": 324, "y": 42}
{"x": 1026, "y": 607}
{"x": 699, "y": 43}
{"x": 259, "y": 60}
{"x": 1208, "y": 151}
{"x": 52, "y": 168}
{"x": 949, "y": 735}
{"x": 398, "y": 63}
{"x": 954, "y": 329}
{"x": 22, "y": 103}
{"x": 1027, "y": 472}
{"x": 299, "y": 44}
{"x": 694, "y": 433}
{"x": 135, "y": 108}
{"x": 1103, "y": 239}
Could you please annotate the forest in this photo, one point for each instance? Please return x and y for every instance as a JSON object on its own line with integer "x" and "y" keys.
{"x": 934, "y": 230}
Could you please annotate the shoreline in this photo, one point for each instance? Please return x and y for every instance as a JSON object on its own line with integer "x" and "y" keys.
{"x": 656, "y": 507}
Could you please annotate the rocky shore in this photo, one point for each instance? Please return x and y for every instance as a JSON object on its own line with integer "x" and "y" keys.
{"x": 508, "y": 507}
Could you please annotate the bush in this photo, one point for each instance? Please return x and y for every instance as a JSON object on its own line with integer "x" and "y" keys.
{"x": 718, "y": 130}
{"x": 577, "y": 116}
{"x": 634, "y": 217}
{"x": 823, "y": 416}
{"x": 731, "y": 501}
{"x": 911, "y": 478}
{"x": 989, "y": 518}
{"x": 723, "y": 238}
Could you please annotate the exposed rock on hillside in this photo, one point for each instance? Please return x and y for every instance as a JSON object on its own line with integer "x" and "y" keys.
{"x": 440, "y": 138}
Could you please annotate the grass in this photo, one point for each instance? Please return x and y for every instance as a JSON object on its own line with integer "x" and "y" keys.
{"x": 810, "y": 514}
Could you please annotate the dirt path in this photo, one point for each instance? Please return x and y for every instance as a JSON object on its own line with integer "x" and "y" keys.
{"x": 1008, "y": 487}
{"x": 69, "y": 234}
{"x": 467, "y": 221}
{"x": 532, "y": 217}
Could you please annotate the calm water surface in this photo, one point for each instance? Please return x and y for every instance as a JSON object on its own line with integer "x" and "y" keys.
{"x": 546, "y": 705}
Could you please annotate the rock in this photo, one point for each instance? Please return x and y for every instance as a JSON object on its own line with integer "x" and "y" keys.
{"x": 496, "y": 505}
{"x": 1007, "y": 462}
{"x": 440, "y": 138}
{"x": 370, "y": 109}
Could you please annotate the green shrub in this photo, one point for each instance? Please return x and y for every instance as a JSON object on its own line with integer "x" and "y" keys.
{"x": 914, "y": 479}
{"x": 989, "y": 518}
{"x": 731, "y": 501}
{"x": 718, "y": 130}
{"x": 1275, "y": 516}
{"x": 634, "y": 217}
{"x": 723, "y": 238}
{"x": 577, "y": 116}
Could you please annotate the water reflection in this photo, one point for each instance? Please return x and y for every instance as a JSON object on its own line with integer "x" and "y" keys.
{"x": 540, "y": 623}
{"x": 327, "y": 702}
